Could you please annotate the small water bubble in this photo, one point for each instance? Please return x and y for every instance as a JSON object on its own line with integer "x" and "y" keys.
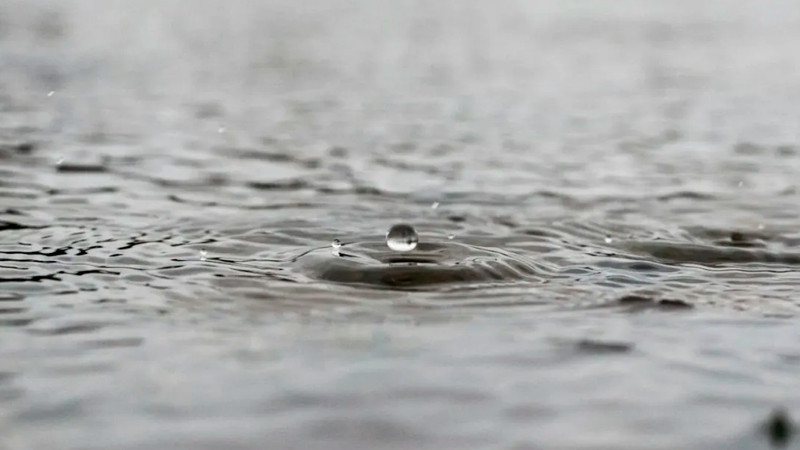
{"x": 608, "y": 240}
{"x": 336, "y": 245}
{"x": 60, "y": 161}
{"x": 434, "y": 205}
{"x": 51, "y": 93}
{"x": 451, "y": 236}
{"x": 402, "y": 238}
{"x": 203, "y": 255}
{"x": 761, "y": 226}
{"x": 221, "y": 130}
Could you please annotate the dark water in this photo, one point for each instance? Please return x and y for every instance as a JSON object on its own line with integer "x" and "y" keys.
{"x": 613, "y": 262}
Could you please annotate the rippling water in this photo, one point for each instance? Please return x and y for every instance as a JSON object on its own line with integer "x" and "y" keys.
{"x": 606, "y": 195}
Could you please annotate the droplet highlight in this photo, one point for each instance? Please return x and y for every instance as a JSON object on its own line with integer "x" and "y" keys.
{"x": 336, "y": 245}
{"x": 203, "y": 255}
{"x": 402, "y": 238}
{"x": 434, "y": 205}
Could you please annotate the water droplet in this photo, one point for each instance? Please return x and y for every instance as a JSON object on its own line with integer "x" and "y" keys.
{"x": 60, "y": 161}
{"x": 740, "y": 184}
{"x": 50, "y": 94}
{"x": 402, "y": 238}
{"x": 608, "y": 240}
{"x": 434, "y": 205}
{"x": 451, "y": 236}
{"x": 761, "y": 226}
{"x": 203, "y": 255}
{"x": 336, "y": 244}
{"x": 221, "y": 130}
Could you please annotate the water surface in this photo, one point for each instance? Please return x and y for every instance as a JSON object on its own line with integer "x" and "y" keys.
{"x": 612, "y": 261}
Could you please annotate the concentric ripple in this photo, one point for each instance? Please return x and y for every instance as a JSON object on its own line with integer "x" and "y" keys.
{"x": 721, "y": 253}
{"x": 430, "y": 264}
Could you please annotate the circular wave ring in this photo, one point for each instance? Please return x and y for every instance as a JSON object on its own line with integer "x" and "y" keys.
{"x": 372, "y": 263}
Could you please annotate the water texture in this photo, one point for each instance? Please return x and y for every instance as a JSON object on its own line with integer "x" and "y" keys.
{"x": 606, "y": 196}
